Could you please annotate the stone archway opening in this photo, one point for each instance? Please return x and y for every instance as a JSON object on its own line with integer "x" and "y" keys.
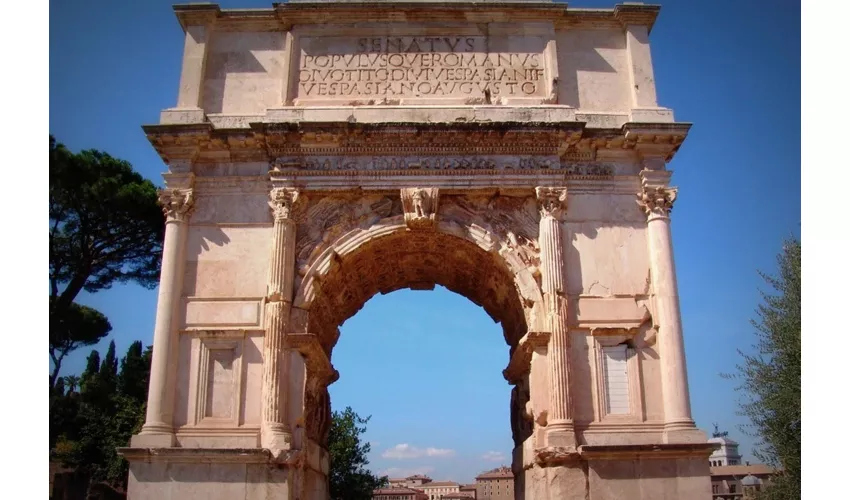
{"x": 418, "y": 260}
{"x": 413, "y": 259}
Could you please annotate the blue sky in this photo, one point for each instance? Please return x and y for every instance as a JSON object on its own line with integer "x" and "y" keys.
{"x": 427, "y": 365}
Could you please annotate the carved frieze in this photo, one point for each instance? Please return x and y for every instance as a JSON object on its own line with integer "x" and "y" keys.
{"x": 447, "y": 163}
{"x": 513, "y": 219}
{"x": 321, "y": 220}
{"x": 420, "y": 207}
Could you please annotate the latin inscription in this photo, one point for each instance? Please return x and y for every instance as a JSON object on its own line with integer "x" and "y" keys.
{"x": 428, "y": 66}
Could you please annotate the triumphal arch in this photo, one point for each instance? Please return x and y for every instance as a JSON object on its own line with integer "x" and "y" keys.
{"x": 323, "y": 152}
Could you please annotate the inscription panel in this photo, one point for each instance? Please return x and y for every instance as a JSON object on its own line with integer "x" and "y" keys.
{"x": 396, "y": 69}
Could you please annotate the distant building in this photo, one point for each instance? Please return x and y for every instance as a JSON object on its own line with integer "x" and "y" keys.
{"x": 727, "y": 454}
{"x": 437, "y": 490}
{"x": 469, "y": 488}
{"x": 398, "y": 493}
{"x": 496, "y": 484}
{"x": 416, "y": 480}
{"x": 739, "y": 482}
{"x": 461, "y": 495}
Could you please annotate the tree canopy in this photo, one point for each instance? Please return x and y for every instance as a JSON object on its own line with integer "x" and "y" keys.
{"x": 349, "y": 478}
{"x": 106, "y": 227}
{"x": 771, "y": 376}
{"x": 92, "y": 415}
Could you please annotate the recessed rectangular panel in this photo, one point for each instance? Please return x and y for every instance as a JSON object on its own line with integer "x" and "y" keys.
{"x": 220, "y": 399}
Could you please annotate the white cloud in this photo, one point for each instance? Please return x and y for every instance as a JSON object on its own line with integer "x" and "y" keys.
{"x": 494, "y": 456}
{"x": 404, "y": 450}
{"x": 401, "y": 472}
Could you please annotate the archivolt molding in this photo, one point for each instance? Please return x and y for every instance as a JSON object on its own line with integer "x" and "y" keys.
{"x": 339, "y": 228}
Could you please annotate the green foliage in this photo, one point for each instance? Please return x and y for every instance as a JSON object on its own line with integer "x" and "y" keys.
{"x": 87, "y": 426}
{"x": 78, "y": 326}
{"x": 106, "y": 227}
{"x": 770, "y": 378}
{"x": 135, "y": 371}
{"x": 349, "y": 478}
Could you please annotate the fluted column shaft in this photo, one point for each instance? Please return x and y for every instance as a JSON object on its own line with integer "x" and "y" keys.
{"x": 552, "y": 263}
{"x": 177, "y": 205}
{"x": 657, "y": 202}
{"x": 276, "y": 433}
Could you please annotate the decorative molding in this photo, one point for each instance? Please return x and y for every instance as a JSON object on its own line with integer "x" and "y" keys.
{"x": 647, "y": 451}
{"x": 176, "y": 203}
{"x": 319, "y": 367}
{"x": 198, "y": 455}
{"x": 420, "y": 207}
{"x": 520, "y": 362}
{"x": 555, "y": 455}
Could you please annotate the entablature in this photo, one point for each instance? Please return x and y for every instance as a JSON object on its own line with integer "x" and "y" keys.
{"x": 567, "y": 146}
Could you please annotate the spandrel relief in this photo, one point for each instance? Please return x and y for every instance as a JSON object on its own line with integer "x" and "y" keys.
{"x": 324, "y": 219}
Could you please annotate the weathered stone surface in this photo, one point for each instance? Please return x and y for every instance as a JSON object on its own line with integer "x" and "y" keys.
{"x": 322, "y": 152}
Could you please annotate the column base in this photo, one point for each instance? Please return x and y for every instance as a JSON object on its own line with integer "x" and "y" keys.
{"x": 154, "y": 438}
{"x": 683, "y": 431}
{"x": 275, "y": 438}
{"x": 561, "y": 435}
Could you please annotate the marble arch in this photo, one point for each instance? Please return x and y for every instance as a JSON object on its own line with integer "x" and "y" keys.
{"x": 322, "y": 152}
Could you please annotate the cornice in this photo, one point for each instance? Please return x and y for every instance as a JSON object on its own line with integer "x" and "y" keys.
{"x": 270, "y": 141}
{"x": 198, "y": 455}
{"x": 282, "y": 16}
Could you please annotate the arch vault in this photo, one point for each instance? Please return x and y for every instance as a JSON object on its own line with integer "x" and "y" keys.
{"x": 321, "y": 153}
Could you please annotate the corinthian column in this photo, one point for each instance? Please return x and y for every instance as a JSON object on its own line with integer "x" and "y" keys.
{"x": 656, "y": 199}
{"x": 276, "y": 434}
{"x": 158, "y": 430}
{"x": 560, "y": 430}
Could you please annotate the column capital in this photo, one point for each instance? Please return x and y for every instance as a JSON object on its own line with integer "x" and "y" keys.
{"x": 656, "y": 197}
{"x": 657, "y": 201}
{"x": 177, "y": 203}
{"x": 281, "y": 201}
{"x": 553, "y": 201}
